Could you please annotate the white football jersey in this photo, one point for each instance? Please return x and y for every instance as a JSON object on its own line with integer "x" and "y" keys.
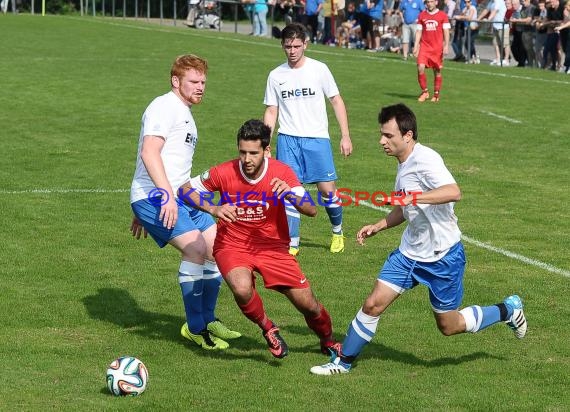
{"x": 432, "y": 229}
{"x": 300, "y": 95}
{"x": 166, "y": 116}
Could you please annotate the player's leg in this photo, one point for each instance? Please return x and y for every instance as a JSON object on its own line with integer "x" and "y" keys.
{"x": 333, "y": 207}
{"x": 393, "y": 280}
{"x": 445, "y": 281}
{"x": 289, "y": 152}
{"x": 319, "y": 168}
{"x": 212, "y": 281}
{"x": 316, "y": 316}
{"x": 191, "y": 279}
{"x": 437, "y": 82}
{"x": 422, "y": 81}
{"x": 241, "y": 282}
{"x": 186, "y": 238}
{"x": 360, "y": 331}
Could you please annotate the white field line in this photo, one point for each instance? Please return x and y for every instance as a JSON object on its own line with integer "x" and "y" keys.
{"x": 532, "y": 262}
{"x": 498, "y": 116}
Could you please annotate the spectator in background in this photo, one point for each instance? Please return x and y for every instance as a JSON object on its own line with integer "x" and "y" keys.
{"x": 311, "y": 17}
{"x": 286, "y": 9}
{"x": 391, "y": 41}
{"x": 554, "y": 15}
{"x": 260, "y": 18}
{"x": 375, "y": 13}
{"x": 349, "y": 31}
{"x": 517, "y": 47}
{"x": 524, "y": 25}
{"x": 496, "y": 10}
{"x": 409, "y": 11}
{"x": 451, "y": 8}
{"x": 469, "y": 17}
{"x": 539, "y": 20}
{"x": 193, "y": 6}
{"x": 563, "y": 30}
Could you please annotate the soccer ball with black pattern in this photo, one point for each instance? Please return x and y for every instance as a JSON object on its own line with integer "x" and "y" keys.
{"x": 127, "y": 376}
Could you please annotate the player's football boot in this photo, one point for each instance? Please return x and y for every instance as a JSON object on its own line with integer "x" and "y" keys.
{"x": 276, "y": 343}
{"x": 337, "y": 243}
{"x": 293, "y": 251}
{"x": 335, "y": 367}
{"x": 204, "y": 339}
{"x": 331, "y": 348}
{"x": 517, "y": 321}
{"x": 435, "y": 98}
{"x": 218, "y": 329}
{"x": 424, "y": 96}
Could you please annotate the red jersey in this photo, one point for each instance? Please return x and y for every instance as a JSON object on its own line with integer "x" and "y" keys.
{"x": 432, "y": 26}
{"x": 261, "y": 220}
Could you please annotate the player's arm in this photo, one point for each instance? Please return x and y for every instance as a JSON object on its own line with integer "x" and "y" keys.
{"x": 417, "y": 40}
{"x": 270, "y": 117}
{"x": 443, "y": 194}
{"x": 301, "y": 203}
{"x": 445, "y": 40}
{"x": 394, "y": 218}
{"x": 150, "y": 155}
{"x": 193, "y": 196}
{"x": 340, "y": 113}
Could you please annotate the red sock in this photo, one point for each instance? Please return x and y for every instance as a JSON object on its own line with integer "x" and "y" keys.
{"x": 437, "y": 83}
{"x": 321, "y": 325}
{"x": 254, "y": 311}
{"x": 422, "y": 80}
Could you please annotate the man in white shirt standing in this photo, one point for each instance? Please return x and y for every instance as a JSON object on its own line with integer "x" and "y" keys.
{"x": 296, "y": 92}
{"x": 167, "y": 141}
{"x": 430, "y": 252}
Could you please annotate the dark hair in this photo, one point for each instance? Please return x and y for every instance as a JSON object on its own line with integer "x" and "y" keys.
{"x": 405, "y": 118}
{"x": 253, "y": 130}
{"x": 294, "y": 31}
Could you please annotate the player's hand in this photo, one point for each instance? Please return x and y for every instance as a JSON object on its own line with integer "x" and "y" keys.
{"x": 169, "y": 213}
{"x": 366, "y": 232}
{"x": 137, "y": 229}
{"x": 415, "y": 52}
{"x": 345, "y": 146}
{"x": 227, "y": 212}
{"x": 445, "y": 50}
{"x": 279, "y": 187}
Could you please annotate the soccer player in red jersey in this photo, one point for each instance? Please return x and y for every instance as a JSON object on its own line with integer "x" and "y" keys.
{"x": 253, "y": 235}
{"x": 432, "y": 43}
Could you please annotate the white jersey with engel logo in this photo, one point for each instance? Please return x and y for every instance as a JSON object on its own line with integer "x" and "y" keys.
{"x": 300, "y": 95}
{"x": 432, "y": 229}
{"x": 166, "y": 116}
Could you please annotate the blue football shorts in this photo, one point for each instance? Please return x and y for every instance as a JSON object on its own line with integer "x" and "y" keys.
{"x": 310, "y": 158}
{"x": 189, "y": 219}
{"x": 444, "y": 277}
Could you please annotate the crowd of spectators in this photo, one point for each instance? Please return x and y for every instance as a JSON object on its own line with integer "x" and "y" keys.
{"x": 524, "y": 33}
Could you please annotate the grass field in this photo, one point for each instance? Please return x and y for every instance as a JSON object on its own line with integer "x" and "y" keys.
{"x": 77, "y": 291}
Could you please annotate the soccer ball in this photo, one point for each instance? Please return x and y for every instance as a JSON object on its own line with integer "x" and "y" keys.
{"x": 127, "y": 376}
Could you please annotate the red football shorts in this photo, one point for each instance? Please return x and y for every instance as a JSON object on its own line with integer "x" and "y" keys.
{"x": 277, "y": 268}
{"x": 430, "y": 60}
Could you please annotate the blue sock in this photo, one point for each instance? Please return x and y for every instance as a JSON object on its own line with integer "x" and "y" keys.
{"x": 294, "y": 222}
{"x": 212, "y": 284}
{"x": 478, "y": 318}
{"x": 334, "y": 210}
{"x": 191, "y": 284}
{"x": 360, "y": 332}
